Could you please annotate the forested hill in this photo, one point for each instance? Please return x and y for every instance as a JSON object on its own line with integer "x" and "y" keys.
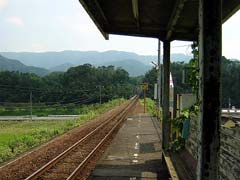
{"x": 61, "y": 61}
{"x": 132, "y": 66}
{"x": 78, "y": 84}
{"x": 15, "y": 65}
{"x": 230, "y": 81}
{"x": 50, "y": 60}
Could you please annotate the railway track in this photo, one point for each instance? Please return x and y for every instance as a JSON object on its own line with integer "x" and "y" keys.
{"x": 73, "y": 163}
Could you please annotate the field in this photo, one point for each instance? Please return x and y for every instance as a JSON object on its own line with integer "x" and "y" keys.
{"x": 39, "y": 111}
{"x": 42, "y": 110}
{"x": 17, "y": 137}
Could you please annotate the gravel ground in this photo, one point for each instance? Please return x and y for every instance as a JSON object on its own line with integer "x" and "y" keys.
{"x": 26, "y": 164}
{"x": 138, "y": 108}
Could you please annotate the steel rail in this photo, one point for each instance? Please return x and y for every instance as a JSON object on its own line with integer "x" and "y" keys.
{"x": 55, "y": 160}
{"x": 100, "y": 144}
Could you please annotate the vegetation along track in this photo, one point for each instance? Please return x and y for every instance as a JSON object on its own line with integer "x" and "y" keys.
{"x": 73, "y": 163}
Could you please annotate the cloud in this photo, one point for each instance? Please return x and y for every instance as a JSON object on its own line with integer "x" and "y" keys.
{"x": 78, "y": 23}
{"x": 3, "y": 3}
{"x": 38, "y": 47}
{"x": 17, "y": 21}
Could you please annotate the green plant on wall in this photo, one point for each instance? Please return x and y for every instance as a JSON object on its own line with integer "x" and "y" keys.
{"x": 178, "y": 125}
{"x": 182, "y": 123}
{"x": 194, "y": 70}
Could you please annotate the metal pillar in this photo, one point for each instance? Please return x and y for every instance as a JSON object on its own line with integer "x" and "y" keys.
{"x": 166, "y": 80}
{"x": 159, "y": 94}
{"x": 210, "y": 42}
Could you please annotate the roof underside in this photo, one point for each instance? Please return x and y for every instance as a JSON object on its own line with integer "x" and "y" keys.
{"x": 163, "y": 19}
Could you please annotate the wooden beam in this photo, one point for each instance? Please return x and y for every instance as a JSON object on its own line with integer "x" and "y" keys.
{"x": 102, "y": 13}
{"x": 231, "y": 7}
{"x": 145, "y": 31}
{"x": 135, "y": 10}
{"x": 210, "y": 52}
{"x": 166, "y": 82}
{"x": 133, "y": 31}
{"x": 188, "y": 36}
{"x": 174, "y": 17}
{"x": 94, "y": 18}
{"x": 172, "y": 170}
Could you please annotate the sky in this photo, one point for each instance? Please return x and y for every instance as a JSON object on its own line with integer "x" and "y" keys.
{"x": 57, "y": 25}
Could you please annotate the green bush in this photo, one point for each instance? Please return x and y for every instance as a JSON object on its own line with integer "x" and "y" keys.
{"x": 13, "y": 143}
{"x": 150, "y": 106}
{"x": 28, "y": 140}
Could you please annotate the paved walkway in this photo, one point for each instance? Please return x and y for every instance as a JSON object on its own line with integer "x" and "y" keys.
{"x": 134, "y": 154}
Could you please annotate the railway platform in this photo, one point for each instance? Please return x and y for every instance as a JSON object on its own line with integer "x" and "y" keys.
{"x": 135, "y": 153}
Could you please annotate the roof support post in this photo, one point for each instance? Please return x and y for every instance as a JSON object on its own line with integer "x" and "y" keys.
{"x": 159, "y": 76}
{"x": 166, "y": 80}
{"x": 210, "y": 47}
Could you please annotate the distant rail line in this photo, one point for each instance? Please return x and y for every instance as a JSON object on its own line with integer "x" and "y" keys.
{"x": 75, "y": 161}
{"x": 36, "y": 118}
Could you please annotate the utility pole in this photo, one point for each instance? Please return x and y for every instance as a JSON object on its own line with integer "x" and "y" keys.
{"x": 145, "y": 88}
{"x": 100, "y": 93}
{"x": 229, "y": 104}
{"x": 144, "y": 100}
{"x": 31, "y": 105}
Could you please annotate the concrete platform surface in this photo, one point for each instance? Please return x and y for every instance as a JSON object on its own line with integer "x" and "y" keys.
{"x": 134, "y": 154}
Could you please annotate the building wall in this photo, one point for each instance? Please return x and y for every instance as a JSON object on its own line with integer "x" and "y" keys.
{"x": 186, "y": 100}
{"x": 229, "y": 162}
{"x": 191, "y": 142}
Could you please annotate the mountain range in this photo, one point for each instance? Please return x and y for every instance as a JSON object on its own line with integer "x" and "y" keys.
{"x": 45, "y": 62}
{"x": 15, "y": 65}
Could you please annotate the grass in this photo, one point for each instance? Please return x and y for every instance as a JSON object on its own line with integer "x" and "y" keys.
{"x": 150, "y": 106}
{"x": 24, "y": 110}
{"x": 17, "y": 137}
{"x": 40, "y": 111}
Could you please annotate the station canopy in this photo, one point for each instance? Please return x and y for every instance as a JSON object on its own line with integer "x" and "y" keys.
{"x": 163, "y": 19}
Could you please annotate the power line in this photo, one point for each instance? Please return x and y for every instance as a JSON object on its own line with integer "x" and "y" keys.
{"x": 79, "y": 102}
{"x": 27, "y": 89}
{"x": 61, "y": 96}
{"x": 81, "y": 99}
{"x": 179, "y": 46}
{"x": 49, "y": 91}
